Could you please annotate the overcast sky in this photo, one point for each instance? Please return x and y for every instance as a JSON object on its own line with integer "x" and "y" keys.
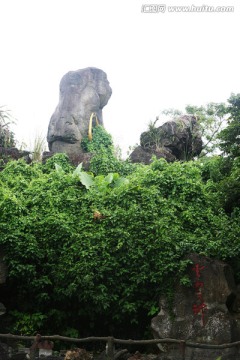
{"x": 153, "y": 61}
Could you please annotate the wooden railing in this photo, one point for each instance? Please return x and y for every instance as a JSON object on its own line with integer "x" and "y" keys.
{"x": 110, "y": 341}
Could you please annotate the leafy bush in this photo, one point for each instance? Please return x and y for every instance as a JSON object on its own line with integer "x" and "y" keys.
{"x": 104, "y": 160}
{"x": 101, "y": 139}
{"x": 98, "y": 248}
{"x": 26, "y": 324}
{"x": 99, "y": 254}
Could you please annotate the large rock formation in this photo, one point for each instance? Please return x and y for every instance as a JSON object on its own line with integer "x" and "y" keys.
{"x": 179, "y": 139}
{"x": 82, "y": 92}
{"x": 3, "y": 277}
{"x": 207, "y": 312}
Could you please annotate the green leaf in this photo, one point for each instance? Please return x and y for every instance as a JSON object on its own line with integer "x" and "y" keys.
{"x": 86, "y": 179}
{"x": 121, "y": 181}
{"x": 77, "y": 171}
{"x": 109, "y": 178}
{"x": 59, "y": 169}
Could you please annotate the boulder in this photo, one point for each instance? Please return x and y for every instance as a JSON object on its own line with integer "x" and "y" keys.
{"x": 144, "y": 156}
{"x": 3, "y": 277}
{"x": 82, "y": 93}
{"x": 206, "y": 312}
{"x": 7, "y": 154}
{"x": 179, "y": 139}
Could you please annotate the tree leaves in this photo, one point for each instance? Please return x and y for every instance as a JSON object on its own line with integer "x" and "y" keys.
{"x": 79, "y": 245}
{"x": 230, "y": 136}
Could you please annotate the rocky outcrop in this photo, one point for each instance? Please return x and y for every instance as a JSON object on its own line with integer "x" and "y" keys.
{"x": 82, "y": 93}
{"x": 144, "y": 156}
{"x": 179, "y": 139}
{"x": 206, "y": 312}
{"x": 7, "y": 154}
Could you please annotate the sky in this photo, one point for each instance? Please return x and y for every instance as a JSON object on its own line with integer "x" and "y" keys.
{"x": 153, "y": 60}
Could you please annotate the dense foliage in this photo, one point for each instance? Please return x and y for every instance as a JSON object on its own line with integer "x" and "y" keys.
{"x": 78, "y": 268}
{"x": 104, "y": 159}
{"x": 230, "y": 136}
{"x": 90, "y": 253}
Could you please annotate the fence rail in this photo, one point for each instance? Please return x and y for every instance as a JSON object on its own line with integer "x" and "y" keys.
{"x": 110, "y": 341}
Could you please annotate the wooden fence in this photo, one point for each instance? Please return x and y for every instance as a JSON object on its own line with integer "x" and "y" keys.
{"x": 110, "y": 341}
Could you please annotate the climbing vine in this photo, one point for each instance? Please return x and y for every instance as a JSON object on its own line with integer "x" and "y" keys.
{"x": 95, "y": 249}
{"x": 82, "y": 247}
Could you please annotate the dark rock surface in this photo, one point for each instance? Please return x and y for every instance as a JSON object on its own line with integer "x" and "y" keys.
{"x": 144, "y": 156}
{"x": 7, "y": 154}
{"x": 179, "y": 139}
{"x": 205, "y": 312}
{"x": 3, "y": 277}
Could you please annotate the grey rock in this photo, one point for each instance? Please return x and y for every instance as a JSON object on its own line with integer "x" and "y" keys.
{"x": 82, "y": 92}
{"x": 179, "y": 139}
{"x": 7, "y": 154}
{"x": 144, "y": 156}
{"x": 3, "y": 278}
{"x": 216, "y": 323}
{"x": 120, "y": 354}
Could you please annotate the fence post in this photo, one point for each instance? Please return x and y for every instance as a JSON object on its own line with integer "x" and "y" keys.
{"x": 183, "y": 348}
{"x": 110, "y": 348}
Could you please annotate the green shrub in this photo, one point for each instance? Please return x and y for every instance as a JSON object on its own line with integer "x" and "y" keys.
{"x": 107, "y": 252}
